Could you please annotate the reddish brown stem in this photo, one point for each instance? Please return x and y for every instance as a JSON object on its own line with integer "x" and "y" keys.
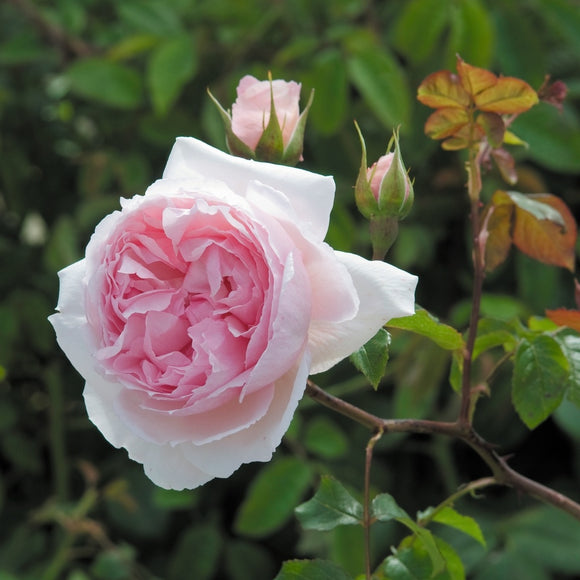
{"x": 366, "y": 506}
{"x": 502, "y": 472}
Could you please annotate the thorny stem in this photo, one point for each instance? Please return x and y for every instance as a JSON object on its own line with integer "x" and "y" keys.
{"x": 463, "y": 490}
{"x": 366, "y": 506}
{"x": 474, "y": 191}
{"x": 503, "y": 474}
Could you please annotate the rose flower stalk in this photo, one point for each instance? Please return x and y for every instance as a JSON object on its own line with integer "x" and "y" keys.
{"x": 201, "y": 307}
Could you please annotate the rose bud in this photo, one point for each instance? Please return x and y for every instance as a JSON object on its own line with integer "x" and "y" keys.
{"x": 201, "y": 307}
{"x": 384, "y": 194}
{"x": 265, "y": 121}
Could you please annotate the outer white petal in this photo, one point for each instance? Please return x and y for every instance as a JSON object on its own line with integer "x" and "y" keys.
{"x": 186, "y": 465}
{"x": 384, "y": 291}
{"x": 311, "y": 195}
{"x": 73, "y": 333}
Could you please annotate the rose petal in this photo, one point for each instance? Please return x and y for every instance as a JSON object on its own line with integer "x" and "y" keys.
{"x": 384, "y": 291}
{"x": 310, "y": 194}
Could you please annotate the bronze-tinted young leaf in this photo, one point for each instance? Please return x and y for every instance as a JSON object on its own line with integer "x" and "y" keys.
{"x": 474, "y": 79}
{"x": 509, "y": 95}
{"x": 463, "y": 137}
{"x": 506, "y": 165}
{"x": 565, "y": 317}
{"x": 498, "y": 224}
{"x": 445, "y": 122}
{"x": 442, "y": 89}
{"x": 543, "y": 238}
{"x": 493, "y": 126}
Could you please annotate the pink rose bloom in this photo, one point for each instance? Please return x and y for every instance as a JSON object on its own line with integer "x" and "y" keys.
{"x": 201, "y": 307}
{"x": 251, "y": 111}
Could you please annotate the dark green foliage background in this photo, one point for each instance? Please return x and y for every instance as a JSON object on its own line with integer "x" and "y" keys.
{"x": 92, "y": 95}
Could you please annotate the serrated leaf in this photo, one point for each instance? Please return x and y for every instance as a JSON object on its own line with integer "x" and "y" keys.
{"x": 371, "y": 359}
{"x": 506, "y": 165}
{"x": 311, "y": 570}
{"x": 492, "y": 333}
{"x": 498, "y": 225}
{"x": 565, "y": 317}
{"x": 413, "y": 560}
{"x": 533, "y": 205}
{"x": 450, "y": 517}
{"x": 445, "y": 121}
{"x": 570, "y": 344}
{"x": 171, "y": 66}
{"x": 378, "y": 76}
{"x": 427, "y": 325}
{"x": 540, "y": 377}
{"x": 443, "y": 89}
{"x": 474, "y": 79}
{"x": 545, "y": 229}
{"x": 507, "y": 96}
{"x": 272, "y": 497}
{"x": 385, "y": 508}
{"x": 494, "y": 128}
{"x": 107, "y": 82}
{"x": 331, "y": 506}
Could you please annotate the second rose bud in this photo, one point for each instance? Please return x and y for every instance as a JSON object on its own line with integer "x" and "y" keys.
{"x": 265, "y": 121}
{"x": 384, "y": 194}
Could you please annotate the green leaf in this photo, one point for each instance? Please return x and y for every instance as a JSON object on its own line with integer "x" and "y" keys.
{"x": 570, "y": 344}
{"x": 325, "y": 438}
{"x": 427, "y": 325}
{"x": 539, "y": 381}
{"x": 331, "y": 506}
{"x": 379, "y": 78}
{"x": 371, "y": 358}
{"x": 412, "y": 561}
{"x": 197, "y": 554}
{"x": 272, "y": 497}
{"x": 171, "y": 66}
{"x": 419, "y": 28}
{"x": 385, "y": 508}
{"x": 454, "y": 519}
{"x": 311, "y": 570}
{"x": 106, "y": 82}
{"x": 492, "y": 333}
